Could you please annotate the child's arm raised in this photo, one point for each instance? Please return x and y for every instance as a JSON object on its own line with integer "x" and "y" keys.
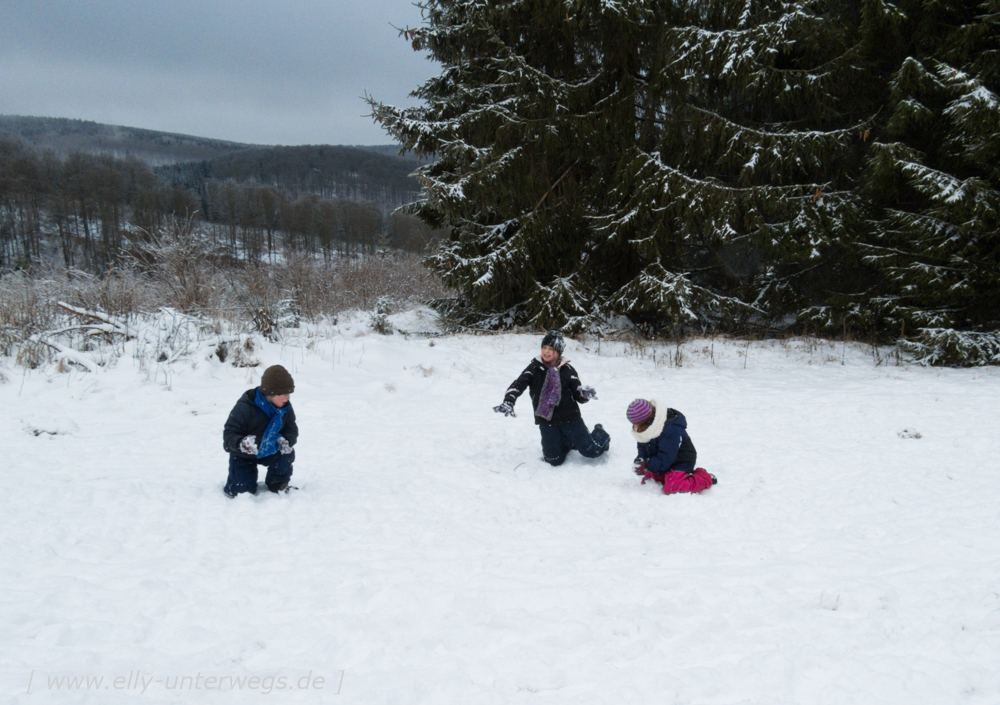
{"x": 515, "y": 390}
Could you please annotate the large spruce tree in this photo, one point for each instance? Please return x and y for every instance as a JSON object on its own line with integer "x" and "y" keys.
{"x": 680, "y": 163}
{"x": 933, "y": 181}
{"x": 708, "y": 164}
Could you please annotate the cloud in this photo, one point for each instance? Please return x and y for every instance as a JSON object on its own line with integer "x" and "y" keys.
{"x": 272, "y": 73}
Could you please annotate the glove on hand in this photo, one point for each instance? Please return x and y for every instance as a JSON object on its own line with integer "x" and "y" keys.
{"x": 249, "y": 445}
{"x": 507, "y": 409}
{"x": 588, "y": 393}
{"x": 283, "y": 446}
{"x": 639, "y": 467}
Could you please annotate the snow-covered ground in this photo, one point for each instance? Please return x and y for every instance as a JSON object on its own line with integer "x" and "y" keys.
{"x": 849, "y": 554}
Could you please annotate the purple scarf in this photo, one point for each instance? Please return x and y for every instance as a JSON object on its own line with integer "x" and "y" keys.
{"x": 548, "y": 400}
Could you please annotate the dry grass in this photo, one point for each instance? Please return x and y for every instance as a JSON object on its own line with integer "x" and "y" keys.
{"x": 182, "y": 275}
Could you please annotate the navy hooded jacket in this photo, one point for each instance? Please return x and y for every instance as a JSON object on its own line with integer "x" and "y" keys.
{"x": 247, "y": 419}
{"x": 665, "y": 445}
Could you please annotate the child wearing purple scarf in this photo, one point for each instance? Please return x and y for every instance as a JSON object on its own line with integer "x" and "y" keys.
{"x": 556, "y": 394}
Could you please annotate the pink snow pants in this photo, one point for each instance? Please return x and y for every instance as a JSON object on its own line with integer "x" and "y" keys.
{"x": 677, "y": 481}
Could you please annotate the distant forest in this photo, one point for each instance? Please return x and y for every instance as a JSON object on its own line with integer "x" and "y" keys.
{"x": 80, "y": 193}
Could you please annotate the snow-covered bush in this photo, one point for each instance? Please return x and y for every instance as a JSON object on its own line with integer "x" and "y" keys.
{"x": 380, "y": 316}
{"x": 944, "y": 346}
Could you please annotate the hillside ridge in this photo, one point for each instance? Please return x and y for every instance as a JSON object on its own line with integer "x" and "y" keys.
{"x": 157, "y": 148}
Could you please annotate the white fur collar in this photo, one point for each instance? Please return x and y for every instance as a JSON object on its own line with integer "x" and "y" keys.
{"x": 655, "y": 428}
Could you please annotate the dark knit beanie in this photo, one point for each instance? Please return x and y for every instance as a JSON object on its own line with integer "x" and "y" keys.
{"x": 554, "y": 339}
{"x": 276, "y": 381}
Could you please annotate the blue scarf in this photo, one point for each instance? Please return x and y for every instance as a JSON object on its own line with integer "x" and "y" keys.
{"x": 269, "y": 443}
{"x": 551, "y": 394}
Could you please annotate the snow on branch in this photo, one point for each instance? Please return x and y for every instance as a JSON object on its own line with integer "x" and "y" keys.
{"x": 934, "y": 231}
{"x": 665, "y": 294}
{"x": 104, "y": 324}
{"x": 67, "y": 354}
{"x": 976, "y": 113}
{"x": 732, "y": 50}
{"x": 94, "y": 323}
{"x": 946, "y": 346}
{"x": 558, "y": 303}
{"x": 938, "y": 185}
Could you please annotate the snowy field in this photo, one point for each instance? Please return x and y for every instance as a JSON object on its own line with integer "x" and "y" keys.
{"x": 849, "y": 554}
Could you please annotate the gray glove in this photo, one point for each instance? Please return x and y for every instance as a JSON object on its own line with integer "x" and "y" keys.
{"x": 588, "y": 393}
{"x": 507, "y": 409}
{"x": 284, "y": 447}
{"x": 249, "y": 445}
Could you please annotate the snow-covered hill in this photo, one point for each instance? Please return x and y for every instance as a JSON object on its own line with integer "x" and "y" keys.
{"x": 849, "y": 554}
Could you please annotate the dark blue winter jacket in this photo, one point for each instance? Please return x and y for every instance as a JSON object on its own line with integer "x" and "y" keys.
{"x": 665, "y": 445}
{"x": 247, "y": 419}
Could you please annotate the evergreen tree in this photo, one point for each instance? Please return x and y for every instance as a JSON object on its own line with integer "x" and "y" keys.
{"x": 737, "y": 200}
{"x": 934, "y": 183}
{"x": 527, "y": 120}
{"x": 680, "y": 163}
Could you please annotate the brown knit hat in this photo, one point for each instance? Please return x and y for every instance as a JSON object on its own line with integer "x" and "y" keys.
{"x": 275, "y": 381}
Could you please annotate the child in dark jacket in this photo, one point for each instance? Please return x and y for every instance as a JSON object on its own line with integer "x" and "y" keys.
{"x": 556, "y": 394}
{"x": 666, "y": 454}
{"x": 261, "y": 430}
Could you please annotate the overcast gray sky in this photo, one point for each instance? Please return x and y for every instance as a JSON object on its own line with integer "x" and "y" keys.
{"x": 259, "y": 71}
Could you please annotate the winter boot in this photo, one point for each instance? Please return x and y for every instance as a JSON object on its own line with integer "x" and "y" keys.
{"x": 601, "y": 437}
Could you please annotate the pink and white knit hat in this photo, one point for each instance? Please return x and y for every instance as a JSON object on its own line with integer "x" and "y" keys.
{"x": 639, "y": 410}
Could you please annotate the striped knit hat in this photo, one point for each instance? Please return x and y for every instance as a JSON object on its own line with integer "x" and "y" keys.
{"x": 639, "y": 410}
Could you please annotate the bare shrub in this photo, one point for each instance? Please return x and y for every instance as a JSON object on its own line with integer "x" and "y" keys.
{"x": 33, "y": 354}
{"x": 121, "y": 292}
{"x": 179, "y": 258}
{"x": 313, "y": 288}
{"x": 363, "y": 281}
{"x": 398, "y": 276}
{"x": 176, "y": 271}
{"x": 261, "y": 301}
{"x": 309, "y": 284}
{"x": 25, "y": 308}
